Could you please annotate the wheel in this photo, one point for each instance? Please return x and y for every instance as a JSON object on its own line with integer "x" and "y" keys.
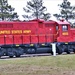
{"x": 17, "y": 55}
{"x": 68, "y": 52}
{"x": 51, "y": 52}
{"x": 2, "y": 52}
{"x": 59, "y": 49}
{"x": 10, "y": 52}
{"x": 74, "y": 51}
{"x": 60, "y": 52}
{"x": 17, "y": 52}
{"x": 31, "y": 51}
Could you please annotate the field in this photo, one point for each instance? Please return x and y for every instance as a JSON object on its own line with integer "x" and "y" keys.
{"x": 44, "y": 65}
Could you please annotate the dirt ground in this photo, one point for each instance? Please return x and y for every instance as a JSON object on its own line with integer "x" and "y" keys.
{"x": 33, "y": 70}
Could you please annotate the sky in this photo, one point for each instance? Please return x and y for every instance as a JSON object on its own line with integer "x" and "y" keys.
{"x": 51, "y": 5}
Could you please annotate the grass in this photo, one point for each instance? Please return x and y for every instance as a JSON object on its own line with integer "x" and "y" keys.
{"x": 45, "y": 65}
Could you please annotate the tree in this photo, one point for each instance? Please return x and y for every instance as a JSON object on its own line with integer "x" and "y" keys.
{"x": 67, "y": 11}
{"x": 6, "y": 11}
{"x": 36, "y": 10}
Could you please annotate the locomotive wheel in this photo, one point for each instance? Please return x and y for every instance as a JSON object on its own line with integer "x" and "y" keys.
{"x": 2, "y": 51}
{"x": 10, "y": 52}
{"x": 68, "y": 52}
{"x": 17, "y": 55}
{"x": 59, "y": 52}
{"x": 74, "y": 51}
{"x": 51, "y": 52}
{"x": 18, "y": 51}
{"x": 59, "y": 49}
{"x": 31, "y": 51}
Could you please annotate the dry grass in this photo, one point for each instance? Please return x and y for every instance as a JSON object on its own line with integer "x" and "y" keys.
{"x": 46, "y": 65}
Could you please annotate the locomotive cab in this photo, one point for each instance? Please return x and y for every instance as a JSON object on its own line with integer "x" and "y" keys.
{"x": 64, "y": 40}
{"x": 64, "y": 32}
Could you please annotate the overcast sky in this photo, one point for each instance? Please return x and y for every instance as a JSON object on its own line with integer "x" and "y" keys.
{"x": 51, "y": 6}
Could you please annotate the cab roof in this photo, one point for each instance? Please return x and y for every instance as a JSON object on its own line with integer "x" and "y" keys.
{"x": 63, "y": 22}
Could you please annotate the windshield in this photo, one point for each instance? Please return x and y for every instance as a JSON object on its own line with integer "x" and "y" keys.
{"x": 64, "y": 27}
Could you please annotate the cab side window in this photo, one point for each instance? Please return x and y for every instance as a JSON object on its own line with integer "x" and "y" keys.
{"x": 57, "y": 27}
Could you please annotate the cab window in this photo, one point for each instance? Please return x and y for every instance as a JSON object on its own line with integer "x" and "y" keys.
{"x": 57, "y": 27}
{"x": 65, "y": 27}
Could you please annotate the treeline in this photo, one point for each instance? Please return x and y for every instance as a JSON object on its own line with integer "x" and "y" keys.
{"x": 36, "y": 10}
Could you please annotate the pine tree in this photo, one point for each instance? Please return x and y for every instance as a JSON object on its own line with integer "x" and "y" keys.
{"x": 36, "y": 10}
{"x": 6, "y": 11}
{"x": 66, "y": 11}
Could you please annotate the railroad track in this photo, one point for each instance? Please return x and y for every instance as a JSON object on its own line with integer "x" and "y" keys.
{"x": 32, "y": 55}
{"x": 27, "y": 55}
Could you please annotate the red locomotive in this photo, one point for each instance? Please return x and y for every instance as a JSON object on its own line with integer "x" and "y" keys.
{"x": 36, "y": 36}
